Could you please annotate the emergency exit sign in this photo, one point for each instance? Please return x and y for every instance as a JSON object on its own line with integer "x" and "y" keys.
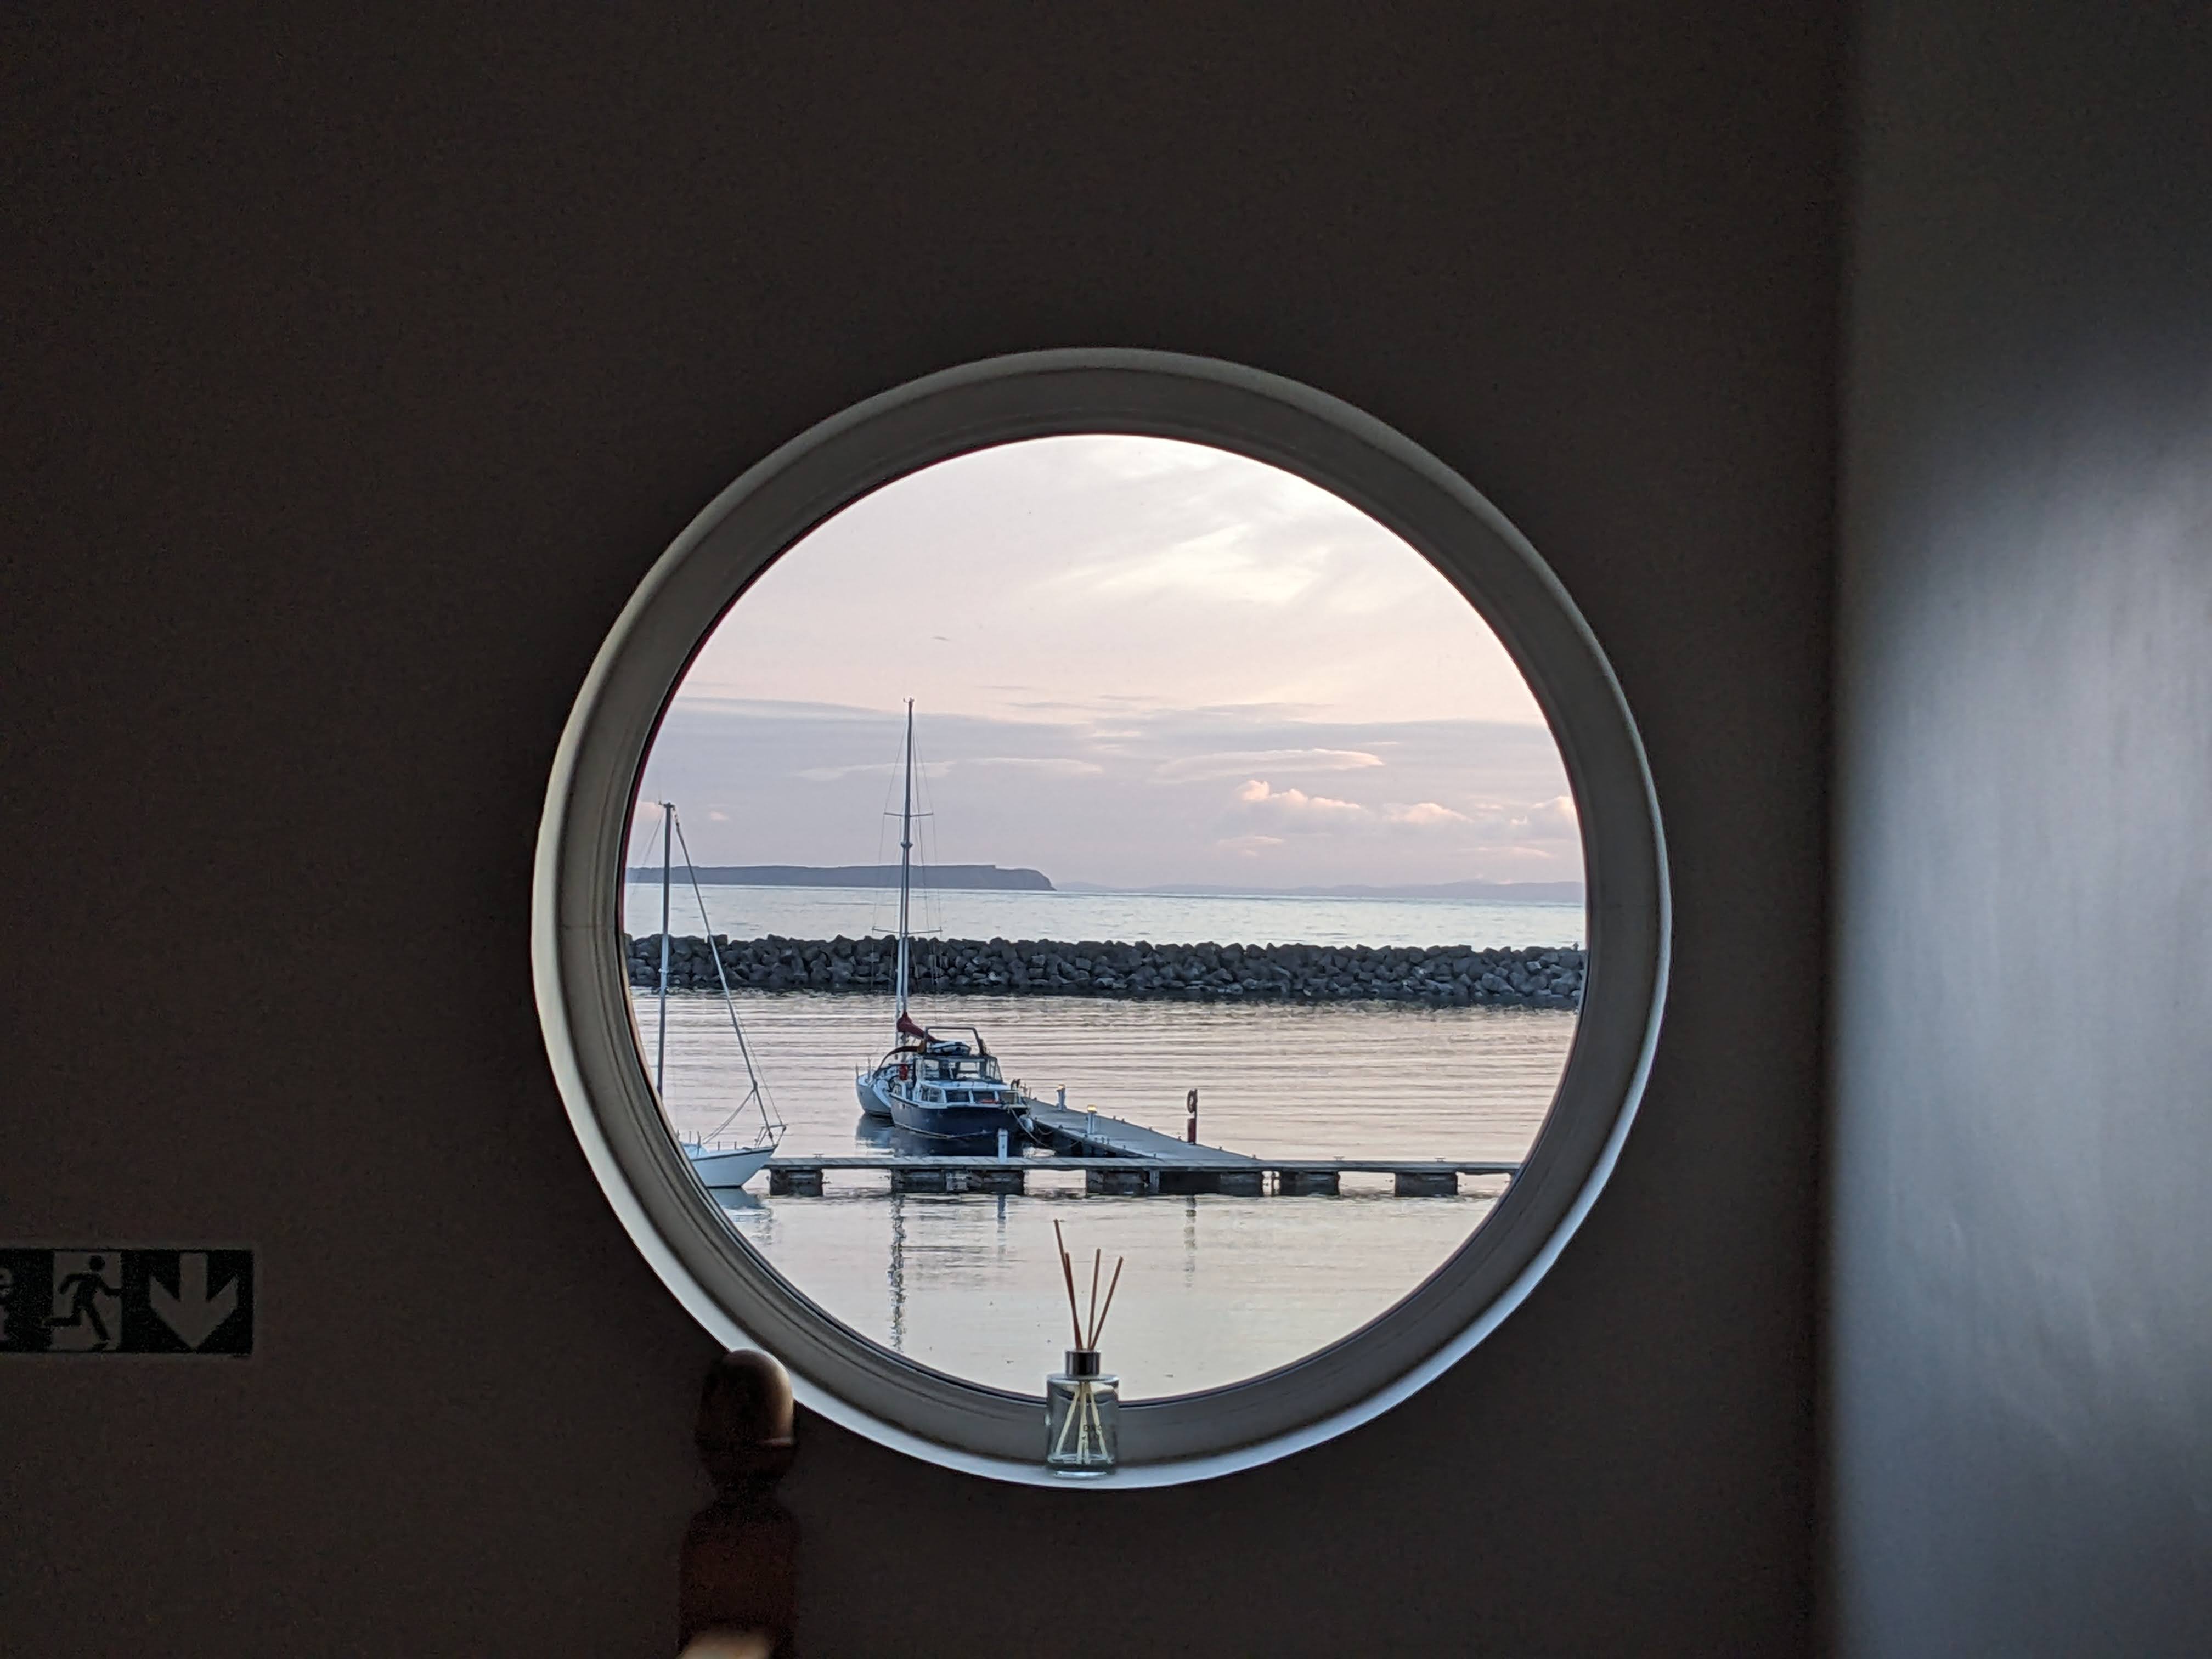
{"x": 93, "y": 1299}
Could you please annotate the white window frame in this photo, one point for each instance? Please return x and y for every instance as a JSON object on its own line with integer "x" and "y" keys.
{"x": 583, "y": 997}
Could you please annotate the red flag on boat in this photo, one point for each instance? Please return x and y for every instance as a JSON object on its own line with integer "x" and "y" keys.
{"x": 908, "y": 1028}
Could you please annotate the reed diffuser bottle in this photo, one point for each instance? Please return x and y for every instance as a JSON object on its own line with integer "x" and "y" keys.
{"x": 1082, "y": 1417}
{"x": 1082, "y": 1404}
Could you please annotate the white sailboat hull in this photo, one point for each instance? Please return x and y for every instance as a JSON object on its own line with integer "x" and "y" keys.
{"x": 873, "y": 1099}
{"x": 717, "y": 1168}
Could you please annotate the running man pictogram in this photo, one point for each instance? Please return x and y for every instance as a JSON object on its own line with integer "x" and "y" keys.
{"x": 87, "y": 1315}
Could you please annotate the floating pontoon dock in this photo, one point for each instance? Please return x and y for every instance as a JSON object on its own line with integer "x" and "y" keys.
{"x": 801, "y": 1175}
{"x": 1120, "y": 1157}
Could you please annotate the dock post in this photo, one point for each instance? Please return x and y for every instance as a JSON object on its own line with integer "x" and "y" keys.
{"x": 1183, "y": 1182}
{"x": 1190, "y": 1128}
{"x": 1427, "y": 1183}
{"x": 926, "y": 1180}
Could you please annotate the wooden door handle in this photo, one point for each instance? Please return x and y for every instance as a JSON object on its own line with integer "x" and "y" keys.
{"x": 740, "y": 1577}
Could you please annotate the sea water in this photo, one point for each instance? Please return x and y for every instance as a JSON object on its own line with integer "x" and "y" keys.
{"x": 1158, "y": 918}
{"x": 1216, "y": 1288}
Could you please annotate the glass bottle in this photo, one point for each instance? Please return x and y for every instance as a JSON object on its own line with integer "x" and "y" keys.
{"x": 1082, "y": 1417}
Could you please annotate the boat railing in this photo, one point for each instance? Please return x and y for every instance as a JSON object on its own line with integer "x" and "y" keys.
{"x": 721, "y": 1146}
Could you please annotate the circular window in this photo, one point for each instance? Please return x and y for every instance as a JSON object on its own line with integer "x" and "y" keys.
{"x": 711, "y": 973}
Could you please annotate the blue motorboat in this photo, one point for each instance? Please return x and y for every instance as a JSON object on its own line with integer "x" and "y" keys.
{"x": 943, "y": 1086}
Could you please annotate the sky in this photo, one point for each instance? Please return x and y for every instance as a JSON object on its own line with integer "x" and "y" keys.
{"x": 1135, "y": 662}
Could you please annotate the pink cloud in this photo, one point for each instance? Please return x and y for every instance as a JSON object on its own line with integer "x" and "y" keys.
{"x": 1299, "y": 809}
{"x": 1250, "y": 847}
{"x": 1424, "y": 815}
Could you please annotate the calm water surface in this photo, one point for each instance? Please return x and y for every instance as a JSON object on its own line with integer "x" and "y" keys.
{"x": 1159, "y": 918}
{"x": 1216, "y": 1288}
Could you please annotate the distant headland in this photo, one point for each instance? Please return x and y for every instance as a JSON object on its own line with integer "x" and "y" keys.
{"x": 939, "y": 876}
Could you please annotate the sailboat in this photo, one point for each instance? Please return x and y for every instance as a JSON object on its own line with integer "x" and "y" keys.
{"x": 718, "y": 1164}
{"x": 943, "y": 1084}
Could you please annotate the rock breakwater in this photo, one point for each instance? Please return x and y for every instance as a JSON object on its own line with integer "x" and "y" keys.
{"x": 1445, "y": 974}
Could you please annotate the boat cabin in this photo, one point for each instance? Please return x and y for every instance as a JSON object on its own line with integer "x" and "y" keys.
{"x": 948, "y": 1072}
{"x": 955, "y": 1062}
{"x": 947, "y": 1060}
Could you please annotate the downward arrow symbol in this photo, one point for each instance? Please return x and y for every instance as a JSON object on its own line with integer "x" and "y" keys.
{"x": 192, "y": 1313}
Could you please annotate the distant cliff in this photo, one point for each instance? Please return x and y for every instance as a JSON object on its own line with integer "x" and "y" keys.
{"x": 939, "y": 876}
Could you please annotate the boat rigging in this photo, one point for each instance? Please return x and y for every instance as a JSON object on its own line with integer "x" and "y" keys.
{"x": 717, "y": 1163}
{"x": 938, "y": 1084}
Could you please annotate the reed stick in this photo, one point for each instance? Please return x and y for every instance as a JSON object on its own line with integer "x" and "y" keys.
{"x": 1099, "y": 1324}
{"x": 1091, "y": 1341}
{"x": 1067, "y": 1272}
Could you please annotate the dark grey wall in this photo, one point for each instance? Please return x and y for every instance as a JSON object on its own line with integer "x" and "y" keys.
{"x": 358, "y": 370}
{"x": 2020, "y": 1240}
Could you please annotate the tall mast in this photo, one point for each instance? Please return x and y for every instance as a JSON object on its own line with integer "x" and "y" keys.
{"x": 906, "y": 855}
{"x": 660, "y": 1054}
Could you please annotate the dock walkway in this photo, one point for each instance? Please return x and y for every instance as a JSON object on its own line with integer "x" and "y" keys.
{"x": 1095, "y": 1134}
{"x": 1120, "y": 1157}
